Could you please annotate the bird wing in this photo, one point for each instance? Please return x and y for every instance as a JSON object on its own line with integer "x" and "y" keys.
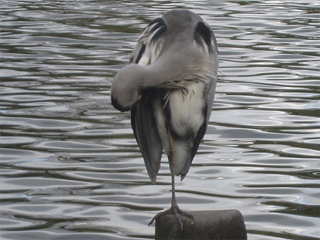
{"x": 142, "y": 113}
{"x": 146, "y": 133}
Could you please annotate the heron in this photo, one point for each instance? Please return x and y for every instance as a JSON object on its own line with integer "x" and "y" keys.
{"x": 169, "y": 87}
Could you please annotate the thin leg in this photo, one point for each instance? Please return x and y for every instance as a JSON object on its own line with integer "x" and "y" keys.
{"x": 174, "y": 206}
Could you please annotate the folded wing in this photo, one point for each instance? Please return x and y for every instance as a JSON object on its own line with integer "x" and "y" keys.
{"x": 143, "y": 122}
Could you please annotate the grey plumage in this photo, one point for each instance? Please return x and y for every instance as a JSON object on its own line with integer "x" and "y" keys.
{"x": 169, "y": 88}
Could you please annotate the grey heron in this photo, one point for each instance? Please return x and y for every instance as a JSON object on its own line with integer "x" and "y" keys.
{"x": 169, "y": 87}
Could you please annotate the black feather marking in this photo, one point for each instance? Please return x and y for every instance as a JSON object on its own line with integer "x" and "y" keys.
{"x": 204, "y": 32}
{"x": 141, "y": 52}
{"x": 157, "y": 24}
{"x": 159, "y": 21}
{"x": 161, "y": 31}
{"x": 160, "y": 27}
{"x": 200, "y": 134}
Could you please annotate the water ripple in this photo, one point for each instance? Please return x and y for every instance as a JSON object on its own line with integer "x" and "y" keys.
{"x": 70, "y": 167}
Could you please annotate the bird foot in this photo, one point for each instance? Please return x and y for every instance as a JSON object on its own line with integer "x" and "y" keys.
{"x": 173, "y": 210}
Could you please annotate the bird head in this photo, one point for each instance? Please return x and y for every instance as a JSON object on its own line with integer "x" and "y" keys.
{"x": 126, "y": 86}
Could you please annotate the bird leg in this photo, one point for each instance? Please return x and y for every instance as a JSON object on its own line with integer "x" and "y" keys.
{"x": 174, "y": 209}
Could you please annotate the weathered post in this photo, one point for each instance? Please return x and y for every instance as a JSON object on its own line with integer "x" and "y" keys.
{"x": 216, "y": 225}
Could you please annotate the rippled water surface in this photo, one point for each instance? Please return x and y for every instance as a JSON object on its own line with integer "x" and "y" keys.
{"x": 70, "y": 166}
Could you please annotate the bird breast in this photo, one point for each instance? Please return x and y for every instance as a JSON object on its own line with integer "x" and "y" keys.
{"x": 186, "y": 108}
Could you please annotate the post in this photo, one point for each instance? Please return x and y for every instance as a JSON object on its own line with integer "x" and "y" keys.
{"x": 217, "y": 225}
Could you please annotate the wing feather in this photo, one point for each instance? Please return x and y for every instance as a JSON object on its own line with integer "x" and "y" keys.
{"x": 142, "y": 114}
{"x": 146, "y": 133}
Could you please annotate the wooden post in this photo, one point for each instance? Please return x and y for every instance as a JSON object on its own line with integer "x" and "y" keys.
{"x": 216, "y": 225}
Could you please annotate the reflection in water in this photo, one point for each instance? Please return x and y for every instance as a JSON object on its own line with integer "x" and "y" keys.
{"x": 70, "y": 166}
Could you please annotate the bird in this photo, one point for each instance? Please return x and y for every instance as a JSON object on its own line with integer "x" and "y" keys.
{"x": 169, "y": 87}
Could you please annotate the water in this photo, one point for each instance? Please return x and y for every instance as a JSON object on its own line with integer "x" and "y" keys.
{"x": 70, "y": 166}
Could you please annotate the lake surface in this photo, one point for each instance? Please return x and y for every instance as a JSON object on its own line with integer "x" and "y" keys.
{"x": 70, "y": 166}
